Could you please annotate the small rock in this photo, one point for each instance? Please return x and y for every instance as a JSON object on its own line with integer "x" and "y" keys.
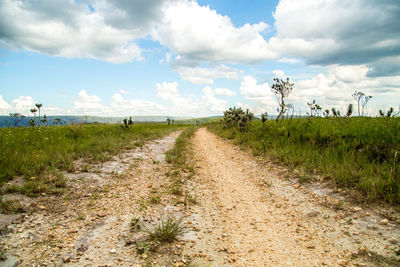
{"x": 278, "y": 205}
{"x": 66, "y": 259}
{"x": 311, "y": 246}
{"x": 101, "y": 214}
{"x": 113, "y": 251}
{"x": 384, "y": 222}
{"x": 41, "y": 207}
{"x": 393, "y": 241}
{"x": 355, "y": 209}
{"x": 178, "y": 264}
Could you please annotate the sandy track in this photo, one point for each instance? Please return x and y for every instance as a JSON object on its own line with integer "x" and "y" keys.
{"x": 256, "y": 218}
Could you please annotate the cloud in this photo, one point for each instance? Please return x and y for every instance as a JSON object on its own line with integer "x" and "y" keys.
{"x": 336, "y": 32}
{"x": 178, "y": 105}
{"x": 23, "y": 104}
{"x": 211, "y": 102}
{"x": 89, "y": 104}
{"x": 198, "y": 75}
{"x": 261, "y": 94}
{"x": 224, "y": 92}
{"x": 70, "y": 29}
{"x": 280, "y": 74}
{"x": 208, "y": 104}
{"x": 3, "y": 104}
{"x": 125, "y": 107}
{"x": 335, "y": 87}
{"x": 200, "y": 33}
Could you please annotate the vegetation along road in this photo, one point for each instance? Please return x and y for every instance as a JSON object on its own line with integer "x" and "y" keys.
{"x": 191, "y": 198}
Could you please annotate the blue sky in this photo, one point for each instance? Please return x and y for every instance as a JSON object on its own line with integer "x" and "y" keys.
{"x": 195, "y": 58}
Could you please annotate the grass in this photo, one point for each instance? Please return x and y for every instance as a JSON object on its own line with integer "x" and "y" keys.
{"x": 359, "y": 152}
{"x": 167, "y": 230}
{"x": 35, "y": 153}
{"x": 10, "y": 206}
{"x": 177, "y": 155}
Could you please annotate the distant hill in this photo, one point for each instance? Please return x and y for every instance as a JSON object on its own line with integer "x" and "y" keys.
{"x": 7, "y": 121}
{"x": 200, "y": 120}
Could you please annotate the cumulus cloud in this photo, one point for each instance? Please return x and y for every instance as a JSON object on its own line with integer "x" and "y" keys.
{"x": 89, "y": 104}
{"x": 261, "y": 94}
{"x": 335, "y": 87}
{"x": 199, "y": 75}
{"x": 224, "y": 92}
{"x": 200, "y": 33}
{"x": 280, "y": 74}
{"x": 4, "y": 106}
{"x": 71, "y": 29}
{"x": 334, "y": 32}
{"x": 125, "y": 106}
{"x": 179, "y": 105}
{"x": 211, "y": 102}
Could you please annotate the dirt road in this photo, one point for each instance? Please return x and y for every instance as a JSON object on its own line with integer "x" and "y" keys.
{"x": 250, "y": 215}
{"x": 239, "y": 210}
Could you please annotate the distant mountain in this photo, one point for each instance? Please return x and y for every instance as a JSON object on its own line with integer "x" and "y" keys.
{"x": 7, "y": 121}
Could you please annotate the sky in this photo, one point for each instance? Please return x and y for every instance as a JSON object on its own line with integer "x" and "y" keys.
{"x": 195, "y": 58}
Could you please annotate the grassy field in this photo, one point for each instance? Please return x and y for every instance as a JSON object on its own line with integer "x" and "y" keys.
{"x": 360, "y": 152}
{"x": 38, "y": 154}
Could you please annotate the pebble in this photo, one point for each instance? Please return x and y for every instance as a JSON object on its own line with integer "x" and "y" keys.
{"x": 113, "y": 251}
{"x": 384, "y": 222}
{"x": 66, "y": 259}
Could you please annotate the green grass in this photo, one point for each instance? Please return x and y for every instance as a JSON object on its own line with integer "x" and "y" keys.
{"x": 360, "y": 153}
{"x": 35, "y": 153}
{"x": 167, "y": 230}
{"x": 177, "y": 155}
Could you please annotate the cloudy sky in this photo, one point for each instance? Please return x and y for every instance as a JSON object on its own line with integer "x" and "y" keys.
{"x": 195, "y": 58}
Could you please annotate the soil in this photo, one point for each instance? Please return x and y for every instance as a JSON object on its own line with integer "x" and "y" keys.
{"x": 239, "y": 210}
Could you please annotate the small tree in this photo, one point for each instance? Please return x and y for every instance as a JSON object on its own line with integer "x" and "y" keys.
{"x": 281, "y": 90}
{"x": 264, "y": 118}
{"x": 39, "y": 106}
{"x": 17, "y": 117}
{"x": 361, "y": 100}
{"x": 57, "y": 121}
{"x": 326, "y": 113}
{"x": 315, "y": 109}
{"x": 44, "y": 120}
{"x": 236, "y": 117}
{"x": 32, "y": 122}
{"x": 130, "y": 122}
{"x": 349, "y": 110}
{"x": 390, "y": 113}
{"x": 33, "y": 110}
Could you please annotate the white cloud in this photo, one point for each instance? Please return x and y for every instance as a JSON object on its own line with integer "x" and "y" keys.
{"x": 178, "y": 105}
{"x": 200, "y": 33}
{"x": 280, "y": 74}
{"x": 126, "y": 107}
{"x": 260, "y": 93}
{"x": 208, "y": 104}
{"x": 89, "y": 104}
{"x": 335, "y": 87}
{"x": 123, "y": 92}
{"x": 198, "y": 75}
{"x": 331, "y": 32}
{"x": 4, "y": 106}
{"x": 23, "y": 104}
{"x": 349, "y": 73}
{"x": 167, "y": 91}
{"x": 210, "y": 101}
{"x": 224, "y": 92}
{"x": 67, "y": 29}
